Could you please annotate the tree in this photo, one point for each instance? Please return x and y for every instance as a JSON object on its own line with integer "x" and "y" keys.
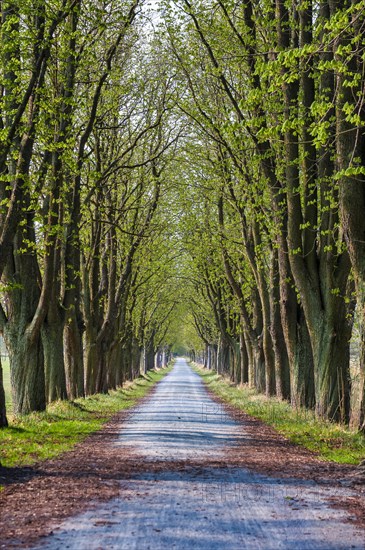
{"x": 26, "y": 48}
{"x": 3, "y": 419}
{"x": 347, "y": 40}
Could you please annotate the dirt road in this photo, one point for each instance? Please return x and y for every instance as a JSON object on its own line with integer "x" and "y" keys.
{"x": 211, "y": 504}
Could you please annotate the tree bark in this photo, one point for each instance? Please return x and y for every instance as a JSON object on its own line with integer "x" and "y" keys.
{"x": 3, "y": 418}
{"x": 55, "y": 376}
{"x": 92, "y": 354}
{"x": 282, "y": 369}
{"x": 73, "y": 356}
{"x": 224, "y": 360}
{"x": 23, "y": 339}
{"x": 27, "y": 371}
{"x": 351, "y": 155}
{"x": 244, "y": 362}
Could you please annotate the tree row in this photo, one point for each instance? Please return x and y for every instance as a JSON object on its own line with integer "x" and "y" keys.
{"x": 275, "y": 93}
{"x": 85, "y": 139}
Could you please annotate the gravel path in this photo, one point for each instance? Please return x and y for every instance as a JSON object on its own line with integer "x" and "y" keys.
{"x": 202, "y": 506}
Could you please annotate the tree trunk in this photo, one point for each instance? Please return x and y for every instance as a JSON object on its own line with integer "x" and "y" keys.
{"x": 142, "y": 364}
{"x": 3, "y": 418}
{"x": 332, "y": 378}
{"x": 238, "y": 364}
{"x": 209, "y": 353}
{"x": 302, "y": 382}
{"x": 23, "y": 340}
{"x": 282, "y": 372}
{"x": 73, "y": 355}
{"x": 213, "y": 357}
{"x": 259, "y": 373}
{"x": 251, "y": 362}
{"x": 206, "y": 356}
{"x": 360, "y": 420}
{"x": 351, "y": 154}
{"x": 358, "y": 408}
{"x": 149, "y": 358}
{"x": 74, "y": 325}
{"x": 263, "y": 304}
{"x": 114, "y": 364}
{"x": 268, "y": 348}
{"x": 243, "y": 359}
{"x": 128, "y": 360}
{"x": 224, "y": 356}
{"x": 54, "y": 367}
{"x": 102, "y": 374}
{"x": 92, "y": 353}
{"x": 27, "y": 371}
{"x": 295, "y": 332}
{"x": 136, "y": 359}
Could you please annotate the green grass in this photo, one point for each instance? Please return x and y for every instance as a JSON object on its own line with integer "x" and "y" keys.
{"x": 40, "y": 436}
{"x": 331, "y": 441}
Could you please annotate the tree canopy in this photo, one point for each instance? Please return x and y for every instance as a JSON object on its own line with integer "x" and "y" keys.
{"x": 185, "y": 179}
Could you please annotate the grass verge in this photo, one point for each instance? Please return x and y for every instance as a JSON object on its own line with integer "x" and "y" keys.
{"x": 331, "y": 441}
{"x": 40, "y": 436}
